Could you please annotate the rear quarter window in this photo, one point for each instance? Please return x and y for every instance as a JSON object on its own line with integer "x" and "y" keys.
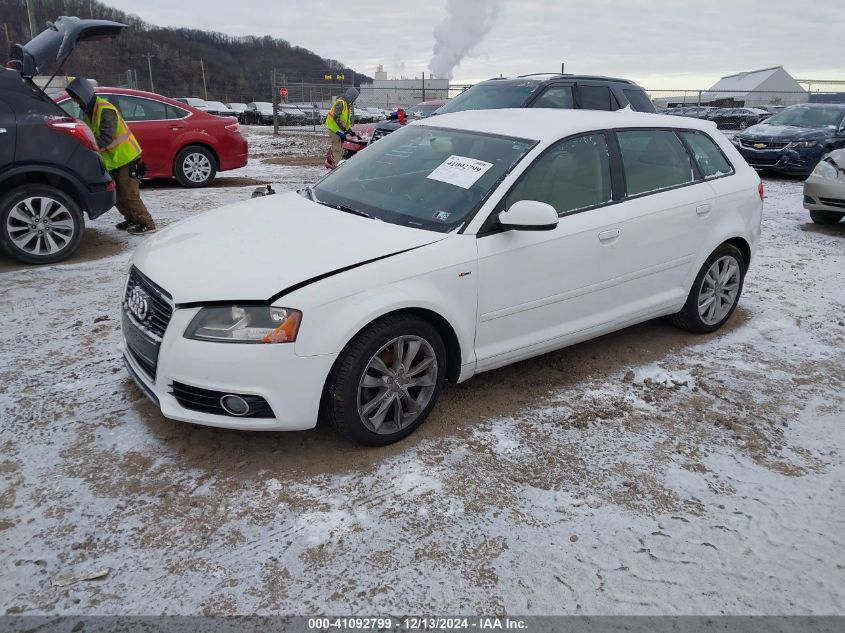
{"x": 710, "y": 159}
{"x": 639, "y": 100}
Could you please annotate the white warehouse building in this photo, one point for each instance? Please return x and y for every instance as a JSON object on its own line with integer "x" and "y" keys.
{"x": 768, "y": 86}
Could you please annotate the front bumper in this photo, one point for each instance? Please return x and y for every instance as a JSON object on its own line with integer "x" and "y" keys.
{"x": 825, "y": 194}
{"x": 798, "y": 162}
{"x": 291, "y": 384}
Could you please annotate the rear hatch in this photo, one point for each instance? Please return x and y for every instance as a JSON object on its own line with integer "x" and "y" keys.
{"x": 47, "y": 51}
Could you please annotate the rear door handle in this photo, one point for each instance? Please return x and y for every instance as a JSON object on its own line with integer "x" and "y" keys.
{"x": 175, "y": 128}
{"x": 702, "y": 209}
{"x": 609, "y": 235}
{"x": 2, "y": 130}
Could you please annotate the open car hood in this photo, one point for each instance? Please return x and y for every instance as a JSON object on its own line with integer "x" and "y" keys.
{"x": 48, "y": 50}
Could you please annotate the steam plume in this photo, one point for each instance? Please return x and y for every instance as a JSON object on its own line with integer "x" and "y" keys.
{"x": 463, "y": 28}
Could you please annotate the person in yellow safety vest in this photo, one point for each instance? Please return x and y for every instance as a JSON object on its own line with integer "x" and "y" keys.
{"x": 120, "y": 152}
{"x": 339, "y": 121}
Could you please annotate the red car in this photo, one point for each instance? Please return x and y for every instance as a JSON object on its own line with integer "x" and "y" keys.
{"x": 178, "y": 140}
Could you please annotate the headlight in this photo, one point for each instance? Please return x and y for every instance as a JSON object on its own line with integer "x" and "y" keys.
{"x": 825, "y": 170}
{"x": 245, "y": 324}
{"x": 802, "y": 144}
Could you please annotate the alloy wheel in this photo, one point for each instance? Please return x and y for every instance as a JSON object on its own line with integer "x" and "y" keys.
{"x": 719, "y": 290}
{"x": 196, "y": 167}
{"x": 40, "y": 226}
{"x": 397, "y": 384}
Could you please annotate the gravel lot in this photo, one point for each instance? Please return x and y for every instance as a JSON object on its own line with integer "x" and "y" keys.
{"x": 646, "y": 472}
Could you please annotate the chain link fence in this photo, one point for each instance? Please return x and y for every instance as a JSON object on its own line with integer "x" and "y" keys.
{"x": 749, "y": 99}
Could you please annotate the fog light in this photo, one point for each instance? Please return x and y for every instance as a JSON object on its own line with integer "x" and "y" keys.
{"x": 234, "y": 405}
{"x": 809, "y": 200}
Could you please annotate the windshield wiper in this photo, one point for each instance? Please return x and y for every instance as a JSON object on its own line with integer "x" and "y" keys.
{"x": 346, "y": 209}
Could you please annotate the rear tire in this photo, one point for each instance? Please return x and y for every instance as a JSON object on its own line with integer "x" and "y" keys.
{"x": 40, "y": 224}
{"x": 195, "y": 166}
{"x": 715, "y": 292}
{"x": 826, "y": 217}
{"x": 386, "y": 381}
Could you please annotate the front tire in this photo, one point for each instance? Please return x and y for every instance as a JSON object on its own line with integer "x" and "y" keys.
{"x": 195, "y": 166}
{"x": 826, "y": 217}
{"x": 386, "y": 381}
{"x": 715, "y": 292}
{"x": 40, "y": 224}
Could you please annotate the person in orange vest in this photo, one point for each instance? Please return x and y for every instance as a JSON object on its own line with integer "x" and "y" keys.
{"x": 120, "y": 152}
{"x": 339, "y": 121}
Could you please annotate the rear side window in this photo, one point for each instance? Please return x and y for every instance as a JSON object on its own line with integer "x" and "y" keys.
{"x": 176, "y": 113}
{"x": 137, "y": 109}
{"x": 707, "y": 154}
{"x": 639, "y": 100}
{"x": 555, "y": 97}
{"x": 573, "y": 175}
{"x": 596, "y": 98}
{"x": 653, "y": 160}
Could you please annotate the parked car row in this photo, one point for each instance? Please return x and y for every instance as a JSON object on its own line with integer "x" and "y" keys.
{"x": 725, "y": 118}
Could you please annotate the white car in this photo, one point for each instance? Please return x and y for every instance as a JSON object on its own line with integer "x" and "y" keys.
{"x": 458, "y": 244}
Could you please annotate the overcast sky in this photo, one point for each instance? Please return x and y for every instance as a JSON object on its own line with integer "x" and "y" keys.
{"x": 661, "y": 44}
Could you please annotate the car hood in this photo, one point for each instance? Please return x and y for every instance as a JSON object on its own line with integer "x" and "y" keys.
{"x": 48, "y": 50}
{"x": 258, "y": 249}
{"x": 783, "y": 133}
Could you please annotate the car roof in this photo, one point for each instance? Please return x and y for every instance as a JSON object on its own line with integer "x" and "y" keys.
{"x": 140, "y": 93}
{"x": 541, "y": 77}
{"x": 549, "y": 124}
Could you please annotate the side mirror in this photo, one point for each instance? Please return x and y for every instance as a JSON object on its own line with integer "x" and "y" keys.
{"x": 529, "y": 215}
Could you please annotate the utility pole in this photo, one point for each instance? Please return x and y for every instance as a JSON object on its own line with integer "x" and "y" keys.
{"x": 423, "y": 77}
{"x": 150, "y": 68}
{"x": 8, "y": 39}
{"x": 204, "y": 85}
{"x": 30, "y": 9}
{"x": 275, "y": 94}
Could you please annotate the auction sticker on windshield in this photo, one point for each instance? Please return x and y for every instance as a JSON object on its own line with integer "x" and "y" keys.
{"x": 460, "y": 171}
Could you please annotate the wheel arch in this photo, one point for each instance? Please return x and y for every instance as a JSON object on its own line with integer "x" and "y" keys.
{"x": 743, "y": 247}
{"x": 439, "y": 322}
{"x": 32, "y": 175}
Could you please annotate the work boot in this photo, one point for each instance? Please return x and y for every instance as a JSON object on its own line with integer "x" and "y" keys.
{"x": 141, "y": 229}
{"x": 124, "y": 225}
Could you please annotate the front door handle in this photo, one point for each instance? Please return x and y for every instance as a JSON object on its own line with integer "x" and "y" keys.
{"x": 608, "y": 236}
{"x": 176, "y": 128}
{"x": 702, "y": 209}
{"x": 2, "y": 130}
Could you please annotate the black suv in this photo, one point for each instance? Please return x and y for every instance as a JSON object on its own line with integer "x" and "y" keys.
{"x": 543, "y": 91}
{"x": 50, "y": 169}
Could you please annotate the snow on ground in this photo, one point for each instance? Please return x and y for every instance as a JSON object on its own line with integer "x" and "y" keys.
{"x": 646, "y": 472}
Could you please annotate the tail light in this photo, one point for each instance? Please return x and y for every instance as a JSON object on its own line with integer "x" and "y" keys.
{"x": 233, "y": 127}
{"x": 76, "y": 129}
{"x": 760, "y": 191}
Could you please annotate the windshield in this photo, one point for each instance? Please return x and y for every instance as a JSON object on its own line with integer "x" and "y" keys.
{"x": 803, "y": 116}
{"x": 423, "y": 177}
{"x": 422, "y": 111}
{"x": 263, "y": 105}
{"x": 490, "y": 96}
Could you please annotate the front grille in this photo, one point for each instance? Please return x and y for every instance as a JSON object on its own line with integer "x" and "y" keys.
{"x": 754, "y": 162}
{"x": 833, "y": 202}
{"x": 208, "y": 401}
{"x": 377, "y": 134}
{"x": 769, "y": 145}
{"x": 160, "y": 307}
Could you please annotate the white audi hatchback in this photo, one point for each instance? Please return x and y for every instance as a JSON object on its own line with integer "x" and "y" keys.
{"x": 458, "y": 244}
